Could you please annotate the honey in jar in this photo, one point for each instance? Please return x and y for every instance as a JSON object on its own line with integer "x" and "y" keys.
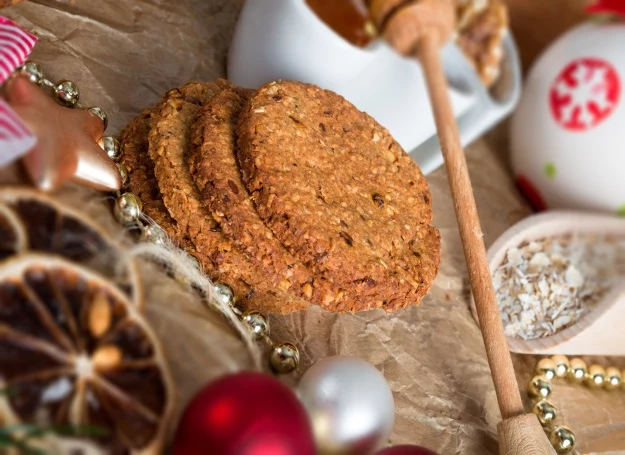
{"x": 348, "y": 18}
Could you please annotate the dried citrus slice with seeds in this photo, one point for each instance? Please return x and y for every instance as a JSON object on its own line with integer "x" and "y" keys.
{"x": 30, "y": 221}
{"x": 13, "y": 236}
{"x": 75, "y": 351}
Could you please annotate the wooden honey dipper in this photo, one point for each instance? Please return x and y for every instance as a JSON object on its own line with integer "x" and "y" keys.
{"x": 419, "y": 29}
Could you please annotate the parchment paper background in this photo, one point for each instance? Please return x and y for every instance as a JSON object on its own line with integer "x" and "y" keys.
{"x": 124, "y": 54}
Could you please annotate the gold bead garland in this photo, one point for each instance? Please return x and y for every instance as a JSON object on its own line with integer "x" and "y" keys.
{"x": 64, "y": 92}
{"x": 127, "y": 209}
{"x": 576, "y": 371}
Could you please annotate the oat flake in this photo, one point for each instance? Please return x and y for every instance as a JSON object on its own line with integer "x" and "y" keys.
{"x": 546, "y": 285}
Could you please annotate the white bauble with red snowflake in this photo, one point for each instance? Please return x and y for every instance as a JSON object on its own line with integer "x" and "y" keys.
{"x": 568, "y": 133}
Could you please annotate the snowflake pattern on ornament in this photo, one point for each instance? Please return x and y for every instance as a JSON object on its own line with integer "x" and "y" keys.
{"x": 585, "y": 93}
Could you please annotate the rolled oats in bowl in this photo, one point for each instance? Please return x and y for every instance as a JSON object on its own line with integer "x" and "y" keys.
{"x": 546, "y": 285}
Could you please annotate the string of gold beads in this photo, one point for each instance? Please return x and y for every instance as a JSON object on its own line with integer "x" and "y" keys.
{"x": 576, "y": 371}
{"x": 127, "y": 209}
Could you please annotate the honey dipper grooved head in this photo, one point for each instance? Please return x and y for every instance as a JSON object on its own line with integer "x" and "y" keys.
{"x": 404, "y": 23}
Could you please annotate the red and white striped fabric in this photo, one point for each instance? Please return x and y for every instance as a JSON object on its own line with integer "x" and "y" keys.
{"x": 15, "y": 138}
{"x": 15, "y": 46}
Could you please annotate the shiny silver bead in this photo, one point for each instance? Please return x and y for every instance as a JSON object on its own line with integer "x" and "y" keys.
{"x": 224, "y": 294}
{"x": 67, "y": 93}
{"x": 98, "y": 112}
{"x": 257, "y": 323}
{"x": 123, "y": 172}
{"x": 284, "y": 358}
{"x": 153, "y": 234}
{"x": 127, "y": 209}
{"x": 110, "y": 145}
{"x": 32, "y": 71}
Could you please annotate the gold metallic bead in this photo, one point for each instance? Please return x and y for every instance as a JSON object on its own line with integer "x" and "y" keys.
{"x": 613, "y": 378}
{"x": 595, "y": 376}
{"x": 110, "y": 145}
{"x": 32, "y": 71}
{"x": 578, "y": 370}
{"x": 547, "y": 368}
{"x": 67, "y": 93}
{"x": 123, "y": 172}
{"x": 98, "y": 112}
{"x": 153, "y": 234}
{"x": 545, "y": 411}
{"x": 284, "y": 358}
{"x": 562, "y": 439}
{"x": 562, "y": 365}
{"x": 127, "y": 208}
{"x": 223, "y": 293}
{"x": 539, "y": 387}
{"x": 257, "y": 323}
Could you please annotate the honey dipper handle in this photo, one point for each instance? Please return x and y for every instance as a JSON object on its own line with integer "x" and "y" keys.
{"x": 499, "y": 359}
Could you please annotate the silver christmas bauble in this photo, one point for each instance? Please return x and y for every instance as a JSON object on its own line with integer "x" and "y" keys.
{"x": 67, "y": 93}
{"x": 350, "y": 405}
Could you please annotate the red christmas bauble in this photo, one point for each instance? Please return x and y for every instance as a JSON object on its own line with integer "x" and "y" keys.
{"x": 244, "y": 414}
{"x": 406, "y": 450}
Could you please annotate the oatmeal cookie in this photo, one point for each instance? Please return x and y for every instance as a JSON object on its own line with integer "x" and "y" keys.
{"x": 340, "y": 193}
{"x": 216, "y": 171}
{"x": 169, "y": 147}
{"x": 134, "y": 157}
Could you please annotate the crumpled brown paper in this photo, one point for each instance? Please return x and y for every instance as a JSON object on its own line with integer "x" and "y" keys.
{"x": 124, "y": 54}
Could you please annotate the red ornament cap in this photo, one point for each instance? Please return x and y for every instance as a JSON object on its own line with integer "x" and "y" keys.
{"x": 615, "y": 7}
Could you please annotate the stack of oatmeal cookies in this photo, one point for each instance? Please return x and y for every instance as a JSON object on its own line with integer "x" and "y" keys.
{"x": 288, "y": 194}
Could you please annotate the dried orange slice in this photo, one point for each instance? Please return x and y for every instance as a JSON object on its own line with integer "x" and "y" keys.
{"x": 74, "y": 350}
{"x": 13, "y": 236}
{"x": 30, "y": 221}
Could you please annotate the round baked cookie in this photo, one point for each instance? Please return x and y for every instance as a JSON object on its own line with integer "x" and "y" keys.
{"x": 142, "y": 182}
{"x": 216, "y": 171}
{"x": 134, "y": 157}
{"x": 339, "y": 192}
{"x": 169, "y": 147}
